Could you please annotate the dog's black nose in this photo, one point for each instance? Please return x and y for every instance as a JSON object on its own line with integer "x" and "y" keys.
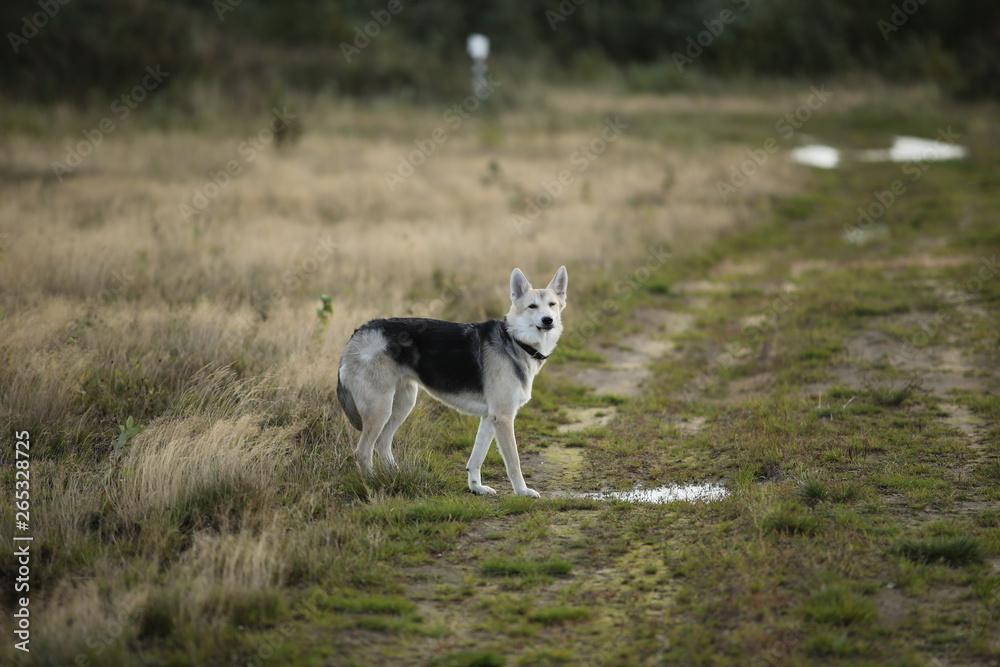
{"x": 546, "y": 321}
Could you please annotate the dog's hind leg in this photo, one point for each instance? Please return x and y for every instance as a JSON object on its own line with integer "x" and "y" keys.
{"x": 375, "y": 414}
{"x": 484, "y": 438}
{"x": 402, "y": 404}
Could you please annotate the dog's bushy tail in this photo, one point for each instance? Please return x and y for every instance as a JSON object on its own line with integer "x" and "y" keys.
{"x": 347, "y": 402}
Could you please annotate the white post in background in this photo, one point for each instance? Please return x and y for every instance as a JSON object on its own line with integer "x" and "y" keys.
{"x": 478, "y": 47}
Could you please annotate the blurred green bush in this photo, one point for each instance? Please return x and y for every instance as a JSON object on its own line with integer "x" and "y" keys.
{"x": 87, "y": 50}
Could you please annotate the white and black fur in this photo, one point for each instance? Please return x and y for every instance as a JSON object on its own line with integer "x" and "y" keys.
{"x": 484, "y": 369}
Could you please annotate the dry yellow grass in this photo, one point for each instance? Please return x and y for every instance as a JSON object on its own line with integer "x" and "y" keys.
{"x": 87, "y": 623}
{"x": 103, "y": 268}
{"x": 177, "y": 461}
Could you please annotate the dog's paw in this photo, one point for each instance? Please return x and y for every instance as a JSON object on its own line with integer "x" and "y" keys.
{"x": 481, "y": 490}
{"x": 530, "y": 493}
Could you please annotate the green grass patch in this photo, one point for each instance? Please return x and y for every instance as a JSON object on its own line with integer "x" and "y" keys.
{"x": 835, "y": 643}
{"x": 990, "y": 473}
{"x": 790, "y": 519}
{"x": 836, "y": 604}
{"x": 957, "y": 551}
{"x": 890, "y": 393}
{"x": 470, "y": 658}
{"x": 525, "y": 567}
{"x": 812, "y": 490}
{"x": 559, "y": 614}
{"x": 414, "y": 477}
{"x": 357, "y": 602}
{"x": 428, "y": 510}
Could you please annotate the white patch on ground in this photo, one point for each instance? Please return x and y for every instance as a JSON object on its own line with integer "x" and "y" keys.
{"x": 670, "y": 493}
{"x": 910, "y": 149}
{"x": 903, "y": 149}
{"x": 816, "y": 155}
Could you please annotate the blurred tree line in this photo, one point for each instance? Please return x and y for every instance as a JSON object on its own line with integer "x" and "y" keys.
{"x": 82, "y": 50}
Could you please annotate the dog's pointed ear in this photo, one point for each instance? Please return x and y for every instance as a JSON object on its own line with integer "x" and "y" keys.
{"x": 519, "y": 285}
{"x": 559, "y": 282}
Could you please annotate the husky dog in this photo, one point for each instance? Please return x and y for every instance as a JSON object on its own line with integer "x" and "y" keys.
{"x": 483, "y": 369}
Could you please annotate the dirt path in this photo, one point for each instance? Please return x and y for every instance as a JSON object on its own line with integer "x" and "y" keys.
{"x": 630, "y": 583}
{"x": 623, "y": 375}
{"x": 627, "y": 366}
{"x": 939, "y": 370}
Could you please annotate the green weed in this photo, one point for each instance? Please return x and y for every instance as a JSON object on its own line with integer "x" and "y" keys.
{"x": 892, "y": 393}
{"x": 126, "y": 432}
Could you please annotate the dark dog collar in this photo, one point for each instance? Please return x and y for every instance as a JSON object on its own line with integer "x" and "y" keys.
{"x": 532, "y": 352}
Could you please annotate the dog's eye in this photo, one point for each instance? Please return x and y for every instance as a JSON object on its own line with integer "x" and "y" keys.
{"x": 534, "y": 305}
{"x": 552, "y": 304}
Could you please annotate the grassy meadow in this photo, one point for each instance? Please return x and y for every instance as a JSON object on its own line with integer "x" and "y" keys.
{"x": 193, "y": 500}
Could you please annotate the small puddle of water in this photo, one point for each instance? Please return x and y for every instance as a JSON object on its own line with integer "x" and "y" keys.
{"x": 908, "y": 149}
{"x": 824, "y": 157}
{"x": 691, "y": 493}
{"x": 903, "y": 149}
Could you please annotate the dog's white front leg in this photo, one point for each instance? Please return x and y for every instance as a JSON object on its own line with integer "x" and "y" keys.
{"x": 484, "y": 438}
{"x": 504, "y": 427}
